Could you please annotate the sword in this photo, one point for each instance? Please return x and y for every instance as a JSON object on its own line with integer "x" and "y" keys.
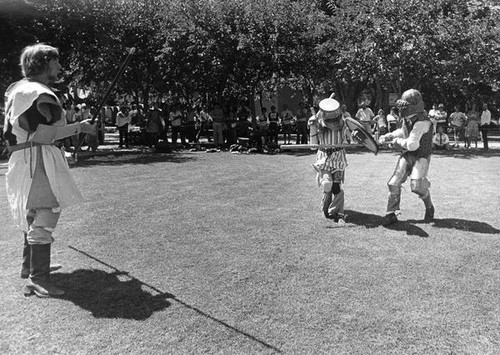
{"x": 105, "y": 98}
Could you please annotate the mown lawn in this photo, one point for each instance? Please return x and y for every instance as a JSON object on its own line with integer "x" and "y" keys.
{"x": 190, "y": 253}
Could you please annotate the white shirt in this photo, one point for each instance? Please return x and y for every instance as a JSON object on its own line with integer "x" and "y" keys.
{"x": 391, "y": 118}
{"x": 485, "y": 118}
{"x": 365, "y": 115}
{"x": 122, "y": 120}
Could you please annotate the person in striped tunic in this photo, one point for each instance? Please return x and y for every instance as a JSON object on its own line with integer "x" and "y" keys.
{"x": 326, "y": 129}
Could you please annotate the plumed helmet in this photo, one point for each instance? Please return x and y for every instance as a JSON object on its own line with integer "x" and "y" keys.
{"x": 410, "y": 103}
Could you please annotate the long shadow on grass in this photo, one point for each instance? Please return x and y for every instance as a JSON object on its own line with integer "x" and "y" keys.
{"x": 463, "y": 225}
{"x": 134, "y": 159}
{"x": 97, "y": 290}
{"x": 109, "y": 295}
{"x": 369, "y": 221}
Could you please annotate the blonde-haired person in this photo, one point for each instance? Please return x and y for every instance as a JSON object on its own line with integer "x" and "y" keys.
{"x": 39, "y": 183}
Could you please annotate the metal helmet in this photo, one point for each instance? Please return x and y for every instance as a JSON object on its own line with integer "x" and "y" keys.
{"x": 410, "y": 103}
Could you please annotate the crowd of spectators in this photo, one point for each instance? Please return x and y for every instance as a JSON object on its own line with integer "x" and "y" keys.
{"x": 180, "y": 125}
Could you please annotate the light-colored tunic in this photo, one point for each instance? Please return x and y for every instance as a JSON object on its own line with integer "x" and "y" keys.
{"x": 22, "y": 163}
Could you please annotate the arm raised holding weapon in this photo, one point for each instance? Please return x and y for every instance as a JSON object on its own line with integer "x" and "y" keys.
{"x": 106, "y": 95}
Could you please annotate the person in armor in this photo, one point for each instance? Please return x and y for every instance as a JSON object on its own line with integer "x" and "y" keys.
{"x": 327, "y": 129}
{"x": 414, "y": 138}
{"x": 39, "y": 183}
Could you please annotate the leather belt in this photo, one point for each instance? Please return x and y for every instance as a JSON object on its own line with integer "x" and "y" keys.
{"x": 25, "y": 145}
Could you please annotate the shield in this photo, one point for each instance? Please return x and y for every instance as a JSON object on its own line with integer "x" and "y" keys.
{"x": 361, "y": 135}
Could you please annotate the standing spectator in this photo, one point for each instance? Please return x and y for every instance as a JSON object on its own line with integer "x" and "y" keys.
{"x": 70, "y": 112}
{"x": 262, "y": 126}
{"x": 441, "y": 141}
{"x": 176, "y": 119}
{"x": 365, "y": 116}
{"x": 471, "y": 127}
{"x": 218, "y": 124}
{"x": 302, "y": 118}
{"x": 380, "y": 124}
{"x": 108, "y": 115}
{"x": 273, "y": 125}
{"x": 393, "y": 119}
{"x": 123, "y": 120}
{"x": 484, "y": 124}
{"x": 70, "y": 118}
{"x": 204, "y": 124}
{"x": 287, "y": 124}
{"x": 85, "y": 111}
{"x": 134, "y": 115}
{"x": 432, "y": 116}
{"x": 230, "y": 126}
{"x": 441, "y": 117}
{"x": 457, "y": 123}
{"x": 346, "y": 133}
{"x": 154, "y": 124}
{"x": 190, "y": 127}
{"x": 243, "y": 115}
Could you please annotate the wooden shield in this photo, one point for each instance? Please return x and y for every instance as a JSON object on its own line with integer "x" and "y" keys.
{"x": 361, "y": 135}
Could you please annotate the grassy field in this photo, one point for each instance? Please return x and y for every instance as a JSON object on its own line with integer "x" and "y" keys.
{"x": 190, "y": 253}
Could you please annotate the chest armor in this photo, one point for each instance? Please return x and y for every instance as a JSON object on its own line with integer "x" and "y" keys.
{"x": 425, "y": 148}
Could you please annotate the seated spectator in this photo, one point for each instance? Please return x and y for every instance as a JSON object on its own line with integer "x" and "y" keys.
{"x": 441, "y": 141}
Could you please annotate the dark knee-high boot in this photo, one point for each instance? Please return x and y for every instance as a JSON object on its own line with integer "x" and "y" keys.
{"x": 429, "y": 208}
{"x": 39, "y": 283}
{"x": 25, "y": 267}
{"x": 325, "y": 203}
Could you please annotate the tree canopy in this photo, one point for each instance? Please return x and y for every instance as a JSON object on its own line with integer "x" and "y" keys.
{"x": 235, "y": 49}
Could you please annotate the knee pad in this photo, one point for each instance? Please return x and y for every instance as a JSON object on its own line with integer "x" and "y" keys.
{"x": 326, "y": 184}
{"x": 39, "y": 235}
{"x": 394, "y": 190}
{"x": 420, "y": 187}
{"x": 336, "y": 188}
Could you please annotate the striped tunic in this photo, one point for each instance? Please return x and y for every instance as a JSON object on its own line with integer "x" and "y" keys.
{"x": 330, "y": 159}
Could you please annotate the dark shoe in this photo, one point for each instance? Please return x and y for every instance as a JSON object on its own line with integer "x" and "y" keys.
{"x": 25, "y": 269}
{"x": 42, "y": 288}
{"x": 334, "y": 217}
{"x": 341, "y": 218}
{"x": 429, "y": 214}
{"x": 390, "y": 219}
